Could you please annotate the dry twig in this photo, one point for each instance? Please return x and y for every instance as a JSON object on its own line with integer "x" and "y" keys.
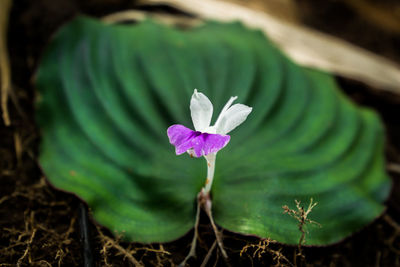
{"x": 5, "y": 73}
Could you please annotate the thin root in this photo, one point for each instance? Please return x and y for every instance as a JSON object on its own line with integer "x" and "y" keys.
{"x": 209, "y": 253}
{"x": 217, "y": 233}
{"x": 109, "y": 242}
{"x": 28, "y": 246}
{"x": 192, "y": 252}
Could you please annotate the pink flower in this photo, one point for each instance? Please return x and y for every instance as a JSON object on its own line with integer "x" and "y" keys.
{"x": 207, "y": 139}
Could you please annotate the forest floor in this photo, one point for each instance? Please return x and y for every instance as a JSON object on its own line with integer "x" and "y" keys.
{"x": 40, "y": 225}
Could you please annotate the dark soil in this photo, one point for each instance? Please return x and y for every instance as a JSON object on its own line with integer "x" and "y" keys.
{"x": 40, "y": 225}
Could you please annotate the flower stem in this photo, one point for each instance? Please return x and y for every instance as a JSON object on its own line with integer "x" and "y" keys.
{"x": 210, "y": 172}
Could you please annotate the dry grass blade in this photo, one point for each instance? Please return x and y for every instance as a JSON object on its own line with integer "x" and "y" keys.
{"x": 135, "y": 15}
{"x": 5, "y": 74}
{"x": 394, "y": 167}
{"x": 384, "y": 17}
{"x": 305, "y": 46}
{"x": 124, "y": 15}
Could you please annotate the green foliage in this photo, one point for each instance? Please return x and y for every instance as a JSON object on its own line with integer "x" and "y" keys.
{"x": 109, "y": 92}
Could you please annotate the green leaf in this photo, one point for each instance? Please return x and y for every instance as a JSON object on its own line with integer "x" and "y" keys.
{"x": 109, "y": 92}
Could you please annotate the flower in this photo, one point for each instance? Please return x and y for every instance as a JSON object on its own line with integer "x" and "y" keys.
{"x": 207, "y": 139}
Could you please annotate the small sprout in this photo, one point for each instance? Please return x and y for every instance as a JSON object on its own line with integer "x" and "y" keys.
{"x": 301, "y": 215}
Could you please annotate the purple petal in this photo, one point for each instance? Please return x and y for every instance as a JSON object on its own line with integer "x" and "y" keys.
{"x": 180, "y": 137}
{"x": 202, "y": 143}
{"x": 206, "y": 143}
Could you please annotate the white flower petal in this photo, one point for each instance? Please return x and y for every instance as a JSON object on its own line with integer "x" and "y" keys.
{"x": 227, "y": 105}
{"x": 225, "y": 108}
{"x": 201, "y": 110}
{"x": 231, "y": 118}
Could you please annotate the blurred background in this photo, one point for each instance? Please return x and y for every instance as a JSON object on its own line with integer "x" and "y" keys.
{"x": 39, "y": 225}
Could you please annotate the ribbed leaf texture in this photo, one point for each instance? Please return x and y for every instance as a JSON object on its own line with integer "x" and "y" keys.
{"x": 107, "y": 94}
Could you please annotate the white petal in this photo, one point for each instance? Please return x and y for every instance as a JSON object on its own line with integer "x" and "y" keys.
{"x": 201, "y": 110}
{"x": 227, "y": 105}
{"x": 232, "y": 117}
{"x": 225, "y": 108}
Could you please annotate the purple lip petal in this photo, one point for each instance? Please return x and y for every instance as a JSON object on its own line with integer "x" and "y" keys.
{"x": 206, "y": 143}
{"x": 202, "y": 143}
{"x": 180, "y": 137}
